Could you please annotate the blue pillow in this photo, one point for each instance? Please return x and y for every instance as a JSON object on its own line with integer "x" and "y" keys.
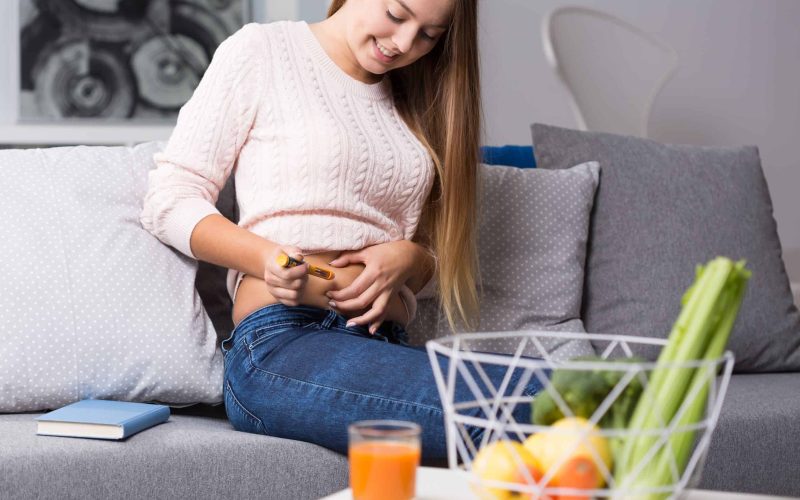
{"x": 511, "y": 155}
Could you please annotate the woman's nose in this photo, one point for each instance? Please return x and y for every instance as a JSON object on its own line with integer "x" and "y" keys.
{"x": 404, "y": 38}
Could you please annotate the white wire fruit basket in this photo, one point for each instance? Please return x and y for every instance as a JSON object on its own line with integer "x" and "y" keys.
{"x": 478, "y": 413}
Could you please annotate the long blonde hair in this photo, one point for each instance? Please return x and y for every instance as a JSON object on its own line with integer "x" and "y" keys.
{"x": 438, "y": 97}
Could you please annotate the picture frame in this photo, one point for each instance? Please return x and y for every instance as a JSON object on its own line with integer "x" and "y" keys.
{"x": 130, "y": 61}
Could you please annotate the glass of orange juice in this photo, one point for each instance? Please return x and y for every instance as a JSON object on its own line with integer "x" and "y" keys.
{"x": 384, "y": 456}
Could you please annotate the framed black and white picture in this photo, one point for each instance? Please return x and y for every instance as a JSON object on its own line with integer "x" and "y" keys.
{"x": 127, "y": 60}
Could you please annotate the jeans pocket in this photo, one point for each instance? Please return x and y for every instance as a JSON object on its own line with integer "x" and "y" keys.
{"x": 239, "y": 416}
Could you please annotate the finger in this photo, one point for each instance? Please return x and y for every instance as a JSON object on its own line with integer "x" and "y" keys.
{"x": 347, "y": 258}
{"x": 342, "y": 260}
{"x": 284, "y": 277}
{"x": 289, "y": 250}
{"x": 373, "y": 327}
{"x": 292, "y": 281}
{"x": 361, "y": 301}
{"x": 298, "y": 283}
{"x": 293, "y": 273}
{"x": 276, "y": 268}
{"x": 375, "y": 313}
{"x": 288, "y": 297}
{"x": 354, "y": 289}
{"x": 293, "y": 252}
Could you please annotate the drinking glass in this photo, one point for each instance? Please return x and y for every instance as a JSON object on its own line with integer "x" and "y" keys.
{"x": 384, "y": 456}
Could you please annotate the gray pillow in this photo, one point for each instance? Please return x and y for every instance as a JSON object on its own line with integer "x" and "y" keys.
{"x": 661, "y": 210}
{"x": 531, "y": 248}
{"x": 93, "y": 305}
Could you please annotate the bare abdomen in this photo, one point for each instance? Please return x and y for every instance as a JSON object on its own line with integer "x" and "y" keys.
{"x": 253, "y": 294}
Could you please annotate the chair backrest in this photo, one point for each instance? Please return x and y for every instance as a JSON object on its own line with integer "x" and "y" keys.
{"x": 612, "y": 69}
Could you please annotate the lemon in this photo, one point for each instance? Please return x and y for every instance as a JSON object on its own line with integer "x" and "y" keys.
{"x": 555, "y": 445}
{"x": 497, "y": 462}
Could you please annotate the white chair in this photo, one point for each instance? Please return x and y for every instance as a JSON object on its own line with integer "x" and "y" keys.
{"x": 612, "y": 69}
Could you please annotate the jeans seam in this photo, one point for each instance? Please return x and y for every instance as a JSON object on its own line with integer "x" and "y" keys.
{"x": 238, "y": 346}
{"x": 390, "y": 400}
{"x": 262, "y": 338}
{"x": 243, "y": 410}
{"x": 256, "y": 311}
{"x": 347, "y": 330}
{"x": 398, "y": 341}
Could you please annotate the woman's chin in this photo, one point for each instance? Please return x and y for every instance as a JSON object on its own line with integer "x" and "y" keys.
{"x": 372, "y": 66}
{"x": 376, "y": 70}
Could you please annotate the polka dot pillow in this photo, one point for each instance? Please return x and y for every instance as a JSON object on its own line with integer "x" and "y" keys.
{"x": 91, "y": 304}
{"x": 533, "y": 232}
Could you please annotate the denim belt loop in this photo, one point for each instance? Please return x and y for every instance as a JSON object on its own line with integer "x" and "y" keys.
{"x": 330, "y": 318}
{"x": 229, "y": 339}
{"x": 222, "y": 345}
{"x": 400, "y": 334}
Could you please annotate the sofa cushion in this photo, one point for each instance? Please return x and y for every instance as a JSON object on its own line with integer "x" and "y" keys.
{"x": 93, "y": 305}
{"x": 531, "y": 244}
{"x": 662, "y": 209}
{"x": 189, "y": 456}
{"x": 754, "y": 446}
{"x": 510, "y": 155}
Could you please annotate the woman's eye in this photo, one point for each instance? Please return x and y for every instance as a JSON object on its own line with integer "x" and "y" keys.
{"x": 397, "y": 20}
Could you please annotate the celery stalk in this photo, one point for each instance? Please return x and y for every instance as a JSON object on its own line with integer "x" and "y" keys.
{"x": 681, "y": 444}
{"x": 710, "y": 307}
{"x": 691, "y": 341}
{"x": 667, "y": 386}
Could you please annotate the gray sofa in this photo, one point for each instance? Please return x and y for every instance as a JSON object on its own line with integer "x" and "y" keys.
{"x": 197, "y": 453}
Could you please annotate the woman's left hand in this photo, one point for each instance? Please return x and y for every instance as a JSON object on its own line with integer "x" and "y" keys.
{"x": 387, "y": 267}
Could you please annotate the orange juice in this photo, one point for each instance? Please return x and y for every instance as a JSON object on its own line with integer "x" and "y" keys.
{"x": 384, "y": 470}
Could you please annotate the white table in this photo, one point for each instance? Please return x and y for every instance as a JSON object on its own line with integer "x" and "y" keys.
{"x": 443, "y": 484}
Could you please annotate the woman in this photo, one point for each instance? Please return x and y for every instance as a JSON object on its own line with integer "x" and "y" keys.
{"x": 354, "y": 142}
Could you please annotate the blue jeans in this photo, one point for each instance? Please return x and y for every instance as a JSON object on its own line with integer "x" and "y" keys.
{"x": 300, "y": 373}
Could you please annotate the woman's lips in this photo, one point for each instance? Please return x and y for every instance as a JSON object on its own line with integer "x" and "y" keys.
{"x": 379, "y": 54}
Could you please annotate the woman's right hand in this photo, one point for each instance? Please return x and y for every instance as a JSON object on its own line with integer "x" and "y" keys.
{"x": 286, "y": 284}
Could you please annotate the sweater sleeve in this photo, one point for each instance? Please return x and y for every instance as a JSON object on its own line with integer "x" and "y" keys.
{"x": 211, "y": 128}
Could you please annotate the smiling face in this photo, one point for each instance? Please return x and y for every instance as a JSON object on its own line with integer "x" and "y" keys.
{"x": 383, "y": 35}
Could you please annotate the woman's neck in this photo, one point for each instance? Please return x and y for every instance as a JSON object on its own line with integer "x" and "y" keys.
{"x": 330, "y": 34}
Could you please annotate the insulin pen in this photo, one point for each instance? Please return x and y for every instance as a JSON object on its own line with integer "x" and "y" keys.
{"x": 287, "y": 261}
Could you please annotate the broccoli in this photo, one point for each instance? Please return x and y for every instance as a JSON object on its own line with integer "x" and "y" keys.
{"x": 584, "y": 390}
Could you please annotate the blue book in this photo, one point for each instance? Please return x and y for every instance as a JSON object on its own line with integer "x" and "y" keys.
{"x": 101, "y": 419}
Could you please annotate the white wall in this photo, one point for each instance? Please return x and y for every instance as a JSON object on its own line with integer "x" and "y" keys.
{"x": 9, "y": 60}
{"x": 269, "y": 10}
{"x": 739, "y": 81}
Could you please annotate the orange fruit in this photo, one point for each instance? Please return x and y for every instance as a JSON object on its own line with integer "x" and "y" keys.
{"x": 580, "y": 473}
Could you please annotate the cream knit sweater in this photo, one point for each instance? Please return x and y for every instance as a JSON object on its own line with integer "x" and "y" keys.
{"x": 321, "y": 160}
